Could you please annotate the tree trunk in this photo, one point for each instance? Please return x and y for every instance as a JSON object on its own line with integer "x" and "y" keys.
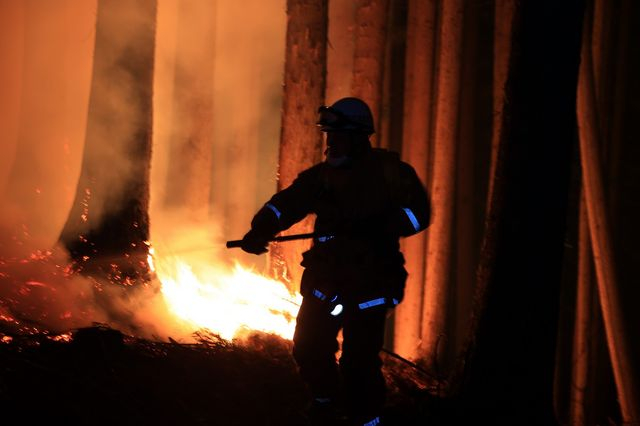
{"x": 621, "y": 166}
{"x": 108, "y": 224}
{"x": 472, "y": 167}
{"x": 368, "y": 59}
{"x": 416, "y": 142}
{"x": 300, "y": 141}
{"x": 505, "y": 16}
{"x": 601, "y": 238}
{"x": 340, "y": 49}
{"x": 189, "y": 173}
{"x": 447, "y": 106}
{"x": 503, "y": 22}
{"x": 389, "y": 129}
{"x": 511, "y": 351}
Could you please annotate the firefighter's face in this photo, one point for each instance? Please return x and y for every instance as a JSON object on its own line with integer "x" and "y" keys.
{"x": 338, "y": 144}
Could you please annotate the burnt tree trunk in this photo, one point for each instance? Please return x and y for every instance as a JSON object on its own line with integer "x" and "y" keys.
{"x": 189, "y": 171}
{"x": 108, "y": 224}
{"x": 300, "y": 140}
{"x": 447, "y": 109}
{"x": 416, "y": 143}
{"x": 368, "y": 57}
{"x": 510, "y": 354}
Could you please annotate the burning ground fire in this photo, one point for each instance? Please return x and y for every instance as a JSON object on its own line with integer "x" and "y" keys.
{"x": 194, "y": 295}
{"x": 226, "y": 302}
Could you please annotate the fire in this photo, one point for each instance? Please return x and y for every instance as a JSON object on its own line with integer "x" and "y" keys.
{"x": 226, "y": 302}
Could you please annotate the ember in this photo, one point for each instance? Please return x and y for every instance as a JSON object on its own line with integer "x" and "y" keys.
{"x": 65, "y": 337}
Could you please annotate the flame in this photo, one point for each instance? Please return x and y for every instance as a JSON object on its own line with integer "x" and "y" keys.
{"x": 226, "y": 302}
{"x": 65, "y": 337}
{"x": 150, "y": 260}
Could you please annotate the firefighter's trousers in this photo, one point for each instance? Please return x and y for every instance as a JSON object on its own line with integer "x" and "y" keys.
{"x": 358, "y": 376}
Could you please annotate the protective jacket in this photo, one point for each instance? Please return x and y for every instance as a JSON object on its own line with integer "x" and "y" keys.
{"x": 362, "y": 209}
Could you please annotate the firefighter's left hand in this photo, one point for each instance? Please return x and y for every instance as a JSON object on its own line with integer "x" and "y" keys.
{"x": 254, "y": 243}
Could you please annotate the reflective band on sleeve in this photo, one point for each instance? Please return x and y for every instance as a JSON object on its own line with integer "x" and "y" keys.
{"x": 371, "y": 303}
{"x": 273, "y": 209}
{"x": 325, "y": 238}
{"x": 412, "y": 218}
{"x": 395, "y": 301}
{"x": 320, "y": 295}
{"x": 373, "y": 422}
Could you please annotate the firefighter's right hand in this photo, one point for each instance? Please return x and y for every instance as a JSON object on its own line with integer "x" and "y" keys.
{"x": 254, "y": 243}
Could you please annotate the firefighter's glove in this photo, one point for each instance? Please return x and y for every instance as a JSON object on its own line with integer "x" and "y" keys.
{"x": 254, "y": 242}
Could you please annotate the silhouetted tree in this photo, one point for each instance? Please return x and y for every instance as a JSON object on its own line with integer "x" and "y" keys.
{"x": 109, "y": 224}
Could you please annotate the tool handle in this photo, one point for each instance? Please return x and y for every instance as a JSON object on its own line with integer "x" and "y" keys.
{"x": 234, "y": 243}
{"x": 238, "y": 243}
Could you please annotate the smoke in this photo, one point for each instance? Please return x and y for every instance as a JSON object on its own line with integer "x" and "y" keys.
{"x": 47, "y": 52}
{"x": 248, "y": 51}
{"x": 42, "y": 292}
{"x": 11, "y": 53}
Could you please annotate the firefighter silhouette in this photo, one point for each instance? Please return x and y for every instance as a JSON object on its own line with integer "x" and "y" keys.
{"x": 365, "y": 200}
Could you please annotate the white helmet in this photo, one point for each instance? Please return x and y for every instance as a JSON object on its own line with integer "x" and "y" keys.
{"x": 346, "y": 114}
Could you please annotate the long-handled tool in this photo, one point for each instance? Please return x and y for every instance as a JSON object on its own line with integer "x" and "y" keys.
{"x": 238, "y": 243}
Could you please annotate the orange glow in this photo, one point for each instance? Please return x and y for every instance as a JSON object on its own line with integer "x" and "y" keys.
{"x": 226, "y": 301}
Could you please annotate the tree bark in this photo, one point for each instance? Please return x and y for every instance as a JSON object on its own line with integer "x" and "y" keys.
{"x": 340, "y": 49}
{"x": 108, "y": 224}
{"x": 416, "y": 142}
{"x": 447, "y": 106}
{"x": 503, "y": 22}
{"x": 300, "y": 140}
{"x": 368, "y": 59}
{"x": 601, "y": 238}
{"x": 189, "y": 171}
{"x": 579, "y": 410}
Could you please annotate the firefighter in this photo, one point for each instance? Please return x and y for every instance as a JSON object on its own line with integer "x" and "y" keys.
{"x": 364, "y": 200}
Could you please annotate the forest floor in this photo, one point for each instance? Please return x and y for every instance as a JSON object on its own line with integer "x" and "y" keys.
{"x": 99, "y": 376}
